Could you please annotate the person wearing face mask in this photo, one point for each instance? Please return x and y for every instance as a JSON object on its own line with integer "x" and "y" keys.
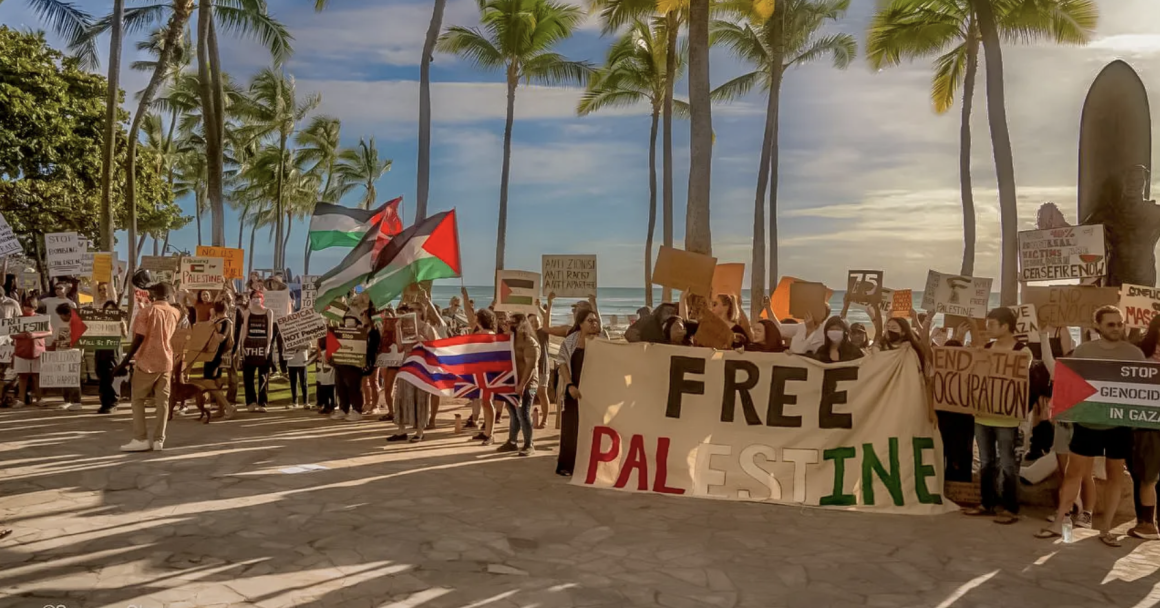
{"x": 837, "y": 347}
{"x": 859, "y": 338}
{"x": 257, "y": 338}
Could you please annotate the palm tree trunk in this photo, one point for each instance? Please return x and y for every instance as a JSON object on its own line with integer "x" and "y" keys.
{"x": 698, "y": 233}
{"x": 140, "y": 248}
{"x": 424, "y": 169}
{"x": 1001, "y": 148}
{"x": 110, "y": 143}
{"x": 155, "y": 245}
{"x": 197, "y": 212}
{"x": 250, "y": 268}
{"x": 172, "y": 38}
{"x": 279, "y": 203}
{"x": 652, "y": 206}
{"x": 242, "y": 227}
{"x": 286, "y": 242}
{"x": 968, "y": 196}
{"x": 501, "y": 236}
{"x": 165, "y": 243}
{"x": 671, "y": 27}
{"x": 777, "y": 73}
{"x": 211, "y": 115}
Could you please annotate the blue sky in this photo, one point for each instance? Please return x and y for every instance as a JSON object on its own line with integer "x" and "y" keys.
{"x": 868, "y": 171}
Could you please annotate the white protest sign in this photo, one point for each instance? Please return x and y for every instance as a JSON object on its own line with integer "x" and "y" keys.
{"x": 9, "y": 244}
{"x": 309, "y": 291}
{"x": 1139, "y": 304}
{"x": 301, "y": 329}
{"x": 771, "y": 428}
{"x": 9, "y": 326}
{"x": 33, "y": 324}
{"x": 63, "y": 254}
{"x": 569, "y": 276}
{"x": 87, "y": 263}
{"x": 202, "y": 273}
{"x": 1075, "y": 252}
{"x": 7, "y": 351}
{"x": 1026, "y": 323}
{"x": 516, "y": 291}
{"x": 956, "y": 295}
{"x": 278, "y": 302}
{"x": 61, "y": 368}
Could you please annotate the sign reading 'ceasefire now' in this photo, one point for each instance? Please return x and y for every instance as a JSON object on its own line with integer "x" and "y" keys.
{"x": 1117, "y": 393}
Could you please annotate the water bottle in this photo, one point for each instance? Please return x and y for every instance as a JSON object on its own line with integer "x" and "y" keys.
{"x": 1067, "y": 529}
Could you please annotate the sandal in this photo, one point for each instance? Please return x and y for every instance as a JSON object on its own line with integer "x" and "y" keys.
{"x": 401, "y": 437}
{"x": 1046, "y": 533}
{"x": 977, "y": 512}
{"x": 1110, "y": 540}
{"x": 416, "y": 439}
{"x": 1006, "y": 519}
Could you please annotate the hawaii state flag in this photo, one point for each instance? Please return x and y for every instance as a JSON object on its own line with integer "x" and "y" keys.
{"x": 475, "y": 366}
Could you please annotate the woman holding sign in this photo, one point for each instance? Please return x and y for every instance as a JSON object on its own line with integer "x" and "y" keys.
{"x": 571, "y": 369}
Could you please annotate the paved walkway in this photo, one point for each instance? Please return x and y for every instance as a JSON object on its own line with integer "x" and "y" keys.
{"x": 230, "y": 514}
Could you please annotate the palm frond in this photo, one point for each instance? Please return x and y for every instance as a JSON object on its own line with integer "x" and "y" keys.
{"x": 908, "y": 30}
{"x": 248, "y": 20}
{"x": 472, "y": 45}
{"x": 68, "y": 21}
{"x": 738, "y": 87}
{"x": 841, "y": 47}
{"x": 948, "y": 76}
{"x": 555, "y": 69}
{"x": 1061, "y": 21}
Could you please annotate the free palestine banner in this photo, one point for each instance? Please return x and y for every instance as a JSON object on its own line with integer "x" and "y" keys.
{"x": 759, "y": 427}
{"x": 1118, "y": 393}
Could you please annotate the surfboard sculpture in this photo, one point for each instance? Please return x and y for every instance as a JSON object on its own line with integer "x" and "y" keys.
{"x": 1115, "y": 164}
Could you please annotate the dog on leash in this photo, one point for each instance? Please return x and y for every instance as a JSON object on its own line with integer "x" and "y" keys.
{"x": 180, "y": 392}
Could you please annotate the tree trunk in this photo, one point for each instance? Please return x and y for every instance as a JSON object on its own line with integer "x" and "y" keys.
{"x": 140, "y": 248}
{"x": 671, "y": 27}
{"x": 652, "y": 206}
{"x": 774, "y": 109}
{"x": 197, "y": 212}
{"x": 172, "y": 38}
{"x": 968, "y": 196}
{"x": 155, "y": 245}
{"x": 211, "y": 114}
{"x": 286, "y": 243}
{"x": 108, "y": 153}
{"x": 501, "y": 236}
{"x": 424, "y": 176}
{"x": 698, "y": 233}
{"x": 279, "y": 203}
{"x": 165, "y": 243}
{"x": 242, "y": 227}
{"x": 1001, "y": 148}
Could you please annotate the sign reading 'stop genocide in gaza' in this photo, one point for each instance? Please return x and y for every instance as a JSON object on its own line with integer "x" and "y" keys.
{"x": 570, "y": 276}
{"x": 1075, "y": 252}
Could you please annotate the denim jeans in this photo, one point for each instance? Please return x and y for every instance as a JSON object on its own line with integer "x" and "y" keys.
{"x": 521, "y": 417}
{"x": 998, "y": 471}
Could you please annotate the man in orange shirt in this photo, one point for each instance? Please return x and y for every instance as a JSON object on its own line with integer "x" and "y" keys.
{"x": 152, "y": 332}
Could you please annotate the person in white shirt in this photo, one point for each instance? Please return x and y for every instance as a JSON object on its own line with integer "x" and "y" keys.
{"x": 49, "y": 305}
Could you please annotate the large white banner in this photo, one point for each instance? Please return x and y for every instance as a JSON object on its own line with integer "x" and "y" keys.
{"x": 759, "y": 427}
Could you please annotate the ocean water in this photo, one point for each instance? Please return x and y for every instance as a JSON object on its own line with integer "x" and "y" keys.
{"x": 624, "y": 301}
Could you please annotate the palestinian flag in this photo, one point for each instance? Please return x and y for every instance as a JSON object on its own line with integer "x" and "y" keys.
{"x": 338, "y": 226}
{"x": 1110, "y": 393}
{"x": 353, "y": 270}
{"x": 426, "y": 251}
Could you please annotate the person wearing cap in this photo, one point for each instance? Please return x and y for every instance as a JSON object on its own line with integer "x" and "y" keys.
{"x": 153, "y": 330}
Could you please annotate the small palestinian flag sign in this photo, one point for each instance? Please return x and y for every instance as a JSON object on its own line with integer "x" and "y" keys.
{"x": 1114, "y": 393}
{"x": 516, "y": 290}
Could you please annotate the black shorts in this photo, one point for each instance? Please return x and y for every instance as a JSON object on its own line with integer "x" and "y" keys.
{"x": 1146, "y": 456}
{"x": 1114, "y": 443}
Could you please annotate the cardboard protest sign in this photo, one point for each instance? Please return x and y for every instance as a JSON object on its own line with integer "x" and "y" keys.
{"x": 516, "y": 291}
{"x": 408, "y": 328}
{"x": 301, "y": 329}
{"x": 100, "y": 330}
{"x": 982, "y": 382}
{"x": 9, "y": 244}
{"x": 779, "y": 301}
{"x": 1074, "y": 252}
{"x": 1139, "y": 304}
{"x": 279, "y": 303}
{"x": 352, "y": 346}
{"x": 712, "y": 332}
{"x": 864, "y": 286}
{"x": 728, "y": 279}
{"x": 63, "y": 254}
{"x": 33, "y": 324}
{"x": 759, "y": 427}
{"x": 956, "y": 295}
{"x": 1069, "y": 305}
{"x": 1026, "y": 323}
{"x": 684, "y": 271}
{"x": 1114, "y": 393}
{"x": 202, "y": 344}
{"x": 163, "y": 268}
{"x": 569, "y": 276}
{"x": 233, "y": 260}
{"x": 902, "y": 302}
{"x": 807, "y": 298}
{"x": 61, "y": 368}
{"x": 202, "y": 273}
{"x": 102, "y": 267}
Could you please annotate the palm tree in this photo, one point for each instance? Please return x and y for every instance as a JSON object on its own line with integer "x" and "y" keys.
{"x": 636, "y": 72}
{"x": 112, "y": 102}
{"x": 698, "y": 234}
{"x": 518, "y": 40}
{"x": 949, "y": 31}
{"x": 423, "y": 185}
{"x": 772, "y": 45}
{"x": 274, "y": 110}
{"x": 361, "y": 166}
{"x": 319, "y": 147}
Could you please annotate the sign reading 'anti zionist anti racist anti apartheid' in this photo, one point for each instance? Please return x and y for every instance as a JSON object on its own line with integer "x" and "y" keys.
{"x": 1139, "y": 304}
{"x": 759, "y": 427}
{"x": 102, "y": 329}
{"x": 956, "y": 295}
{"x": 202, "y": 273}
{"x": 981, "y": 381}
{"x": 1075, "y": 252}
{"x": 569, "y": 276}
{"x": 61, "y": 368}
{"x": 301, "y": 329}
{"x": 1069, "y": 305}
{"x": 1116, "y": 393}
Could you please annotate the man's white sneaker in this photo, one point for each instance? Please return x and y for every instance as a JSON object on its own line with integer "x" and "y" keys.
{"x": 253, "y": 407}
{"x": 158, "y": 446}
{"x": 261, "y": 409}
{"x": 137, "y": 446}
{"x": 353, "y": 416}
{"x": 338, "y": 415}
{"x": 74, "y": 407}
{"x": 293, "y": 406}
